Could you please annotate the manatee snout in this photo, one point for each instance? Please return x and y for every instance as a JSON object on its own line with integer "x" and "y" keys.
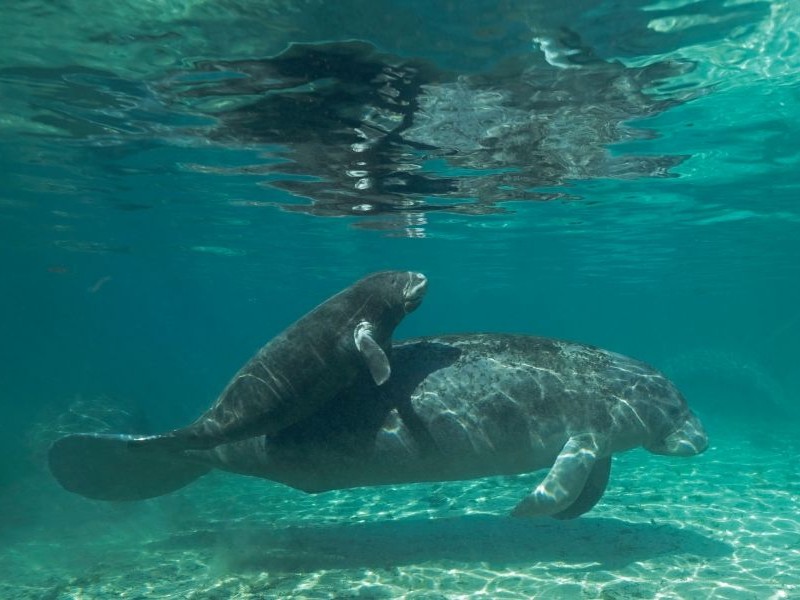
{"x": 414, "y": 291}
{"x": 688, "y": 439}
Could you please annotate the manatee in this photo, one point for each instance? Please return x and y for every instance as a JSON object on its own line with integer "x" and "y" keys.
{"x": 306, "y": 365}
{"x": 457, "y": 407}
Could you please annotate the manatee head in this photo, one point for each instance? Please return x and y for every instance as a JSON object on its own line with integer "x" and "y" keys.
{"x": 675, "y": 429}
{"x": 388, "y": 296}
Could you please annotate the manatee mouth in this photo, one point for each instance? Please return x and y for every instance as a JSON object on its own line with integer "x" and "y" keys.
{"x": 414, "y": 291}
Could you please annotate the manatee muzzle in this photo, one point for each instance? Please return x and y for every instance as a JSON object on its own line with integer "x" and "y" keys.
{"x": 687, "y": 440}
{"x": 414, "y": 291}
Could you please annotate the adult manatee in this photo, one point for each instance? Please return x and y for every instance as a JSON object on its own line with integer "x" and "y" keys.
{"x": 456, "y": 407}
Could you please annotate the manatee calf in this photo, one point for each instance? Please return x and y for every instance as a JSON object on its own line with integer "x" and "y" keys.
{"x": 303, "y": 367}
{"x": 456, "y": 407}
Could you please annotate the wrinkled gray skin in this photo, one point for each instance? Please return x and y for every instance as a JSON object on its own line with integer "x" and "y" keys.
{"x": 455, "y": 407}
{"x": 307, "y": 364}
{"x": 467, "y": 406}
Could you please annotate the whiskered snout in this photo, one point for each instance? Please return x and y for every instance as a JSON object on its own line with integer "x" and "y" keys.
{"x": 414, "y": 291}
{"x": 688, "y": 440}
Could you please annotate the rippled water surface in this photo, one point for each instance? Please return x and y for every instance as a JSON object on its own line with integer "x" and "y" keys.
{"x": 182, "y": 179}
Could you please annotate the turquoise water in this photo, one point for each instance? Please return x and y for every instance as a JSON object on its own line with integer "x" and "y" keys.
{"x": 183, "y": 179}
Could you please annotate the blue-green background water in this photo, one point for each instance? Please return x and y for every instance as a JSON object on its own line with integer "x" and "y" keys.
{"x": 176, "y": 190}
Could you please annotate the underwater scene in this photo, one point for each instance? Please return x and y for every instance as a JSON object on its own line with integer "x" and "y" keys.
{"x": 416, "y": 299}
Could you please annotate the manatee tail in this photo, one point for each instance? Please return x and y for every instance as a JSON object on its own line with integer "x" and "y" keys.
{"x": 108, "y": 467}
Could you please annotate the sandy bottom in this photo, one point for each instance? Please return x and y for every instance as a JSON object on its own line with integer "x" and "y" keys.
{"x": 722, "y": 525}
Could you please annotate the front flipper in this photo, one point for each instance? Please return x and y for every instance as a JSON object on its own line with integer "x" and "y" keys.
{"x": 373, "y": 354}
{"x": 593, "y": 490}
{"x": 565, "y": 482}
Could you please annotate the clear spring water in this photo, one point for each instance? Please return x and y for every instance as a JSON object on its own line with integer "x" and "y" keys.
{"x": 184, "y": 178}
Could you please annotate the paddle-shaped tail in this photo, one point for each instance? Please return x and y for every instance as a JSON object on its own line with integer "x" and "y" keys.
{"x": 108, "y": 467}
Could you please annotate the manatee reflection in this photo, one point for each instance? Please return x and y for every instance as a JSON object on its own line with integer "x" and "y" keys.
{"x": 354, "y": 131}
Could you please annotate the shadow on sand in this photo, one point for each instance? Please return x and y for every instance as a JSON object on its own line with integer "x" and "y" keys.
{"x": 591, "y": 543}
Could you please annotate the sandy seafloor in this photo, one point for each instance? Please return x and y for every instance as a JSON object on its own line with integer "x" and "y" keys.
{"x": 722, "y": 525}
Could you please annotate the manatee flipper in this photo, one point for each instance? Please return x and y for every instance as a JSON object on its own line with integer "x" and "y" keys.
{"x": 565, "y": 482}
{"x": 373, "y": 354}
{"x": 592, "y": 492}
{"x": 105, "y": 467}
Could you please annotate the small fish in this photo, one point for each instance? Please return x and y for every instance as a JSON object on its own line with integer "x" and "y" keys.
{"x": 93, "y": 289}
